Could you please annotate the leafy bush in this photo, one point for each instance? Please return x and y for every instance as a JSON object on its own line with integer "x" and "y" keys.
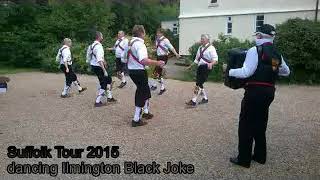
{"x": 146, "y": 12}
{"x": 193, "y": 51}
{"x": 19, "y": 42}
{"x": 299, "y": 41}
{"x": 31, "y": 34}
{"x": 174, "y": 39}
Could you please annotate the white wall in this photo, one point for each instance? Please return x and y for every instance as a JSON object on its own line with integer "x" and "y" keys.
{"x": 243, "y": 26}
{"x": 200, "y": 8}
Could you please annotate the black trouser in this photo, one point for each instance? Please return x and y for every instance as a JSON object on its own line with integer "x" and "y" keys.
{"x": 140, "y": 79}
{"x": 253, "y": 122}
{"x": 70, "y": 76}
{"x": 120, "y": 66}
{"x": 102, "y": 79}
{"x": 202, "y": 75}
{"x": 157, "y": 69}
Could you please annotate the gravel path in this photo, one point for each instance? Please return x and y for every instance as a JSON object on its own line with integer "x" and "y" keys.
{"x": 31, "y": 113}
{"x": 173, "y": 71}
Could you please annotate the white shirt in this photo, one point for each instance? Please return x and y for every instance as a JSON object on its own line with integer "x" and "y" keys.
{"x": 64, "y": 55}
{"x": 139, "y": 50}
{"x": 117, "y": 46}
{"x": 165, "y": 43}
{"x": 210, "y": 54}
{"x": 95, "y": 55}
{"x": 250, "y": 66}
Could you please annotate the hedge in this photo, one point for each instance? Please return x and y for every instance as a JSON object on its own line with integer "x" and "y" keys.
{"x": 299, "y": 42}
{"x": 31, "y": 33}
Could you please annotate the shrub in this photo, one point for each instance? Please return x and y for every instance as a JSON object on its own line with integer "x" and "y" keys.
{"x": 299, "y": 42}
{"x": 31, "y": 34}
{"x": 174, "y": 39}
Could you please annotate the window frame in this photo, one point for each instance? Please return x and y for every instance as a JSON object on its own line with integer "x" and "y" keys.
{"x": 211, "y": 4}
{"x": 256, "y": 21}
{"x": 175, "y": 31}
{"x": 229, "y": 21}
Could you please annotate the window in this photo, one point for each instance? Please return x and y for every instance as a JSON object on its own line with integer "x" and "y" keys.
{"x": 175, "y": 31}
{"x": 213, "y": 3}
{"x": 259, "y": 22}
{"x": 229, "y": 26}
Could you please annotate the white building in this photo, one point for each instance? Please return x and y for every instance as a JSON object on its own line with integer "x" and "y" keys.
{"x": 237, "y": 18}
{"x": 172, "y": 25}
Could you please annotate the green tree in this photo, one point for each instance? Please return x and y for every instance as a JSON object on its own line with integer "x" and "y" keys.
{"x": 299, "y": 42}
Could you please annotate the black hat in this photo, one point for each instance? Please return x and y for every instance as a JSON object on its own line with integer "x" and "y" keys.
{"x": 267, "y": 29}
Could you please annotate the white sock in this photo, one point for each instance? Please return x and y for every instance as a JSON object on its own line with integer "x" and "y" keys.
{"x": 195, "y": 96}
{"x": 109, "y": 92}
{"x": 153, "y": 83}
{"x": 146, "y": 107}
{"x": 204, "y": 94}
{"x": 76, "y": 83}
{"x": 137, "y": 114}
{"x": 65, "y": 90}
{"x": 98, "y": 86}
{"x": 123, "y": 77}
{"x": 100, "y": 95}
{"x": 162, "y": 84}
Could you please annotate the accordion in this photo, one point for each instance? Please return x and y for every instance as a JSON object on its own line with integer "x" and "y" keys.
{"x": 236, "y": 58}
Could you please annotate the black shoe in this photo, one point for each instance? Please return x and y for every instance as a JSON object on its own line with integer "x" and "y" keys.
{"x": 237, "y": 162}
{"x": 153, "y": 88}
{"x": 147, "y": 116}
{"x": 258, "y": 161}
{"x": 123, "y": 84}
{"x": 65, "y": 96}
{"x": 100, "y": 104}
{"x": 191, "y": 104}
{"x": 111, "y": 100}
{"x": 162, "y": 91}
{"x": 83, "y": 89}
{"x": 139, "y": 123}
{"x": 204, "y": 101}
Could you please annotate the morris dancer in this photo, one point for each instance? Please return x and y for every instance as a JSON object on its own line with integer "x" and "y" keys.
{"x": 65, "y": 59}
{"x": 95, "y": 56}
{"x": 119, "y": 47}
{"x": 206, "y": 58}
{"x": 137, "y": 55}
{"x": 163, "y": 46}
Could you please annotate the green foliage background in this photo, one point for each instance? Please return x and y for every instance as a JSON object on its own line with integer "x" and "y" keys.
{"x": 31, "y": 33}
{"x": 299, "y": 42}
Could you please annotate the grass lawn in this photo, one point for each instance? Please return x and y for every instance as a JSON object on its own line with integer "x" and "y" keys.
{"x": 13, "y": 70}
